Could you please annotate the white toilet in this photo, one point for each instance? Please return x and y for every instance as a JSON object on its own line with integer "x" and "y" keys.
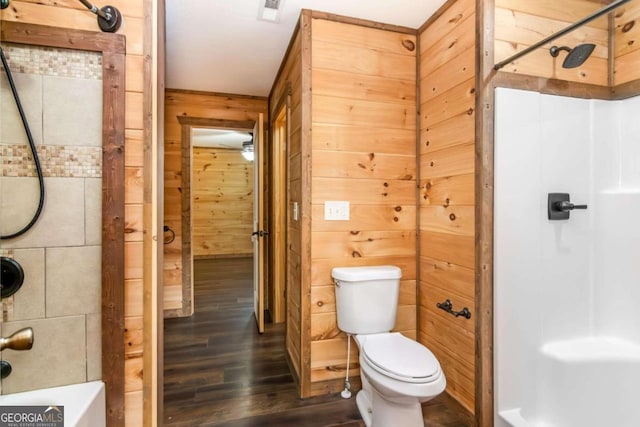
{"x": 397, "y": 373}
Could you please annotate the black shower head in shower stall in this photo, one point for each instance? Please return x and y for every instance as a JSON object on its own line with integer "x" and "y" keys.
{"x": 4, "y": 4}
{"x": 576, "y": 56}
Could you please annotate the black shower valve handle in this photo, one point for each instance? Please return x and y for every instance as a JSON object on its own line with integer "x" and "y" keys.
{"x": 565, "y": 206}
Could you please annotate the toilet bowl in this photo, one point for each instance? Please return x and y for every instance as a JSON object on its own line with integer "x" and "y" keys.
{"x": 397, "y": 373}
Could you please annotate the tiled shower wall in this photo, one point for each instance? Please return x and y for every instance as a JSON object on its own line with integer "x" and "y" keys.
{"x": 61, "y": 93}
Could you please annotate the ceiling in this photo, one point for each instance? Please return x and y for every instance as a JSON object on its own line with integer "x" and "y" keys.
{"x": 221, "y": 46}
{"x": 219, "y": 138}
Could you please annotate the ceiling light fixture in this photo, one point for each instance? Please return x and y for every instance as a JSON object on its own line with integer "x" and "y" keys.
{"x": 270, "y": 10}
{"x": 247, "y": 150}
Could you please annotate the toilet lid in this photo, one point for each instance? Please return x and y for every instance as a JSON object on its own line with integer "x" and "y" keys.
{"x": 401, "y": 358}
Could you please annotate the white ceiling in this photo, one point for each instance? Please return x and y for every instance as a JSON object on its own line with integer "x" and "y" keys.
{"x": 221, "y": 46}
{"x": 219, "y": 138}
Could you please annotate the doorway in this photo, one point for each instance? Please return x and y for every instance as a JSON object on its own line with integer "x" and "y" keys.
{"x": 278, "y": 213}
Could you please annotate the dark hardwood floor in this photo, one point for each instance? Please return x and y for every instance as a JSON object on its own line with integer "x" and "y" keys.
{"x": 218, "y": 371}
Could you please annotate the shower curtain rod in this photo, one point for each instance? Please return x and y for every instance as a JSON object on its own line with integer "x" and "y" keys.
{"x": 562, "y": 32}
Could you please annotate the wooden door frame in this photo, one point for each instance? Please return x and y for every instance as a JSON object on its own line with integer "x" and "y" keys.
{"x": 187, "y": 123}
{"x": 277, "y": 246}
{"x": 112, "y": 48}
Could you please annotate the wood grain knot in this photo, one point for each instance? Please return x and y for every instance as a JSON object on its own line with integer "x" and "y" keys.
{"x": 354, "y": 233}
{"x": 372, "y": 156}
{"x": 319, "y": 303}
{"x": 452, "y": 217}
{"x": 356, "y": 254}
{"x": 395, "y": 219}
{"x": 409, "y": 45}
{"x": 447, "y": 202}
{"x": 386, "y": 184}
{"x": 397, "y": 208}
{"x": 432, "y": 164}
{"x": 470, "y": 111}
{"x": 627, "y": 27}
{"x": 427, "y": 143}
{"x": 455, "y": 19}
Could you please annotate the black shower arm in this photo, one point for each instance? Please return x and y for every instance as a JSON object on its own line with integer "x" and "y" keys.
{"x": 95, "y": 10}
{"x": 561, "y": 33}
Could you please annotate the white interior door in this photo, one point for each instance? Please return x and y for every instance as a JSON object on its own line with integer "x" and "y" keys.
{"x": 259, "y": 234}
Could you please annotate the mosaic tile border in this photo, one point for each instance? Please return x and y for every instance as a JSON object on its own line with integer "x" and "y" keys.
{"x": 48, "y": 61}
{"x": 56, "y": 160}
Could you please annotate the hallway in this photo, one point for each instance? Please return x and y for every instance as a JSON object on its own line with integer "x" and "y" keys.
{"x": 220, "y": 371}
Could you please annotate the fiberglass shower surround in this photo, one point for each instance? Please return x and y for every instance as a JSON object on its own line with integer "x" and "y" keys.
{"x": 567, "y": 324}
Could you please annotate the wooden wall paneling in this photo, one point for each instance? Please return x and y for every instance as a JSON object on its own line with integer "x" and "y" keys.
{"x": 363, "y": 87}
{"x": 541, "y": 63}
{"x": 289, "y": 78}
{"x": 485, "y": 60}
{"x": 458, "y": 101}
{"x": 356, "y": 244}
{"x": 363, "y": 165}
{"x": 222, "y": 206}
{"x": 457, "y": 249}
{"x": 387, "y": 217}
{"x": 305, "y": 206}
{"x": 458, "y": 70}
{"x": 363, "y": 150}
{"x": 446, "y": 191}
{"x": 342, "y": 57}
{"x": 456, "y": 160}
{"x": 626, "y": 34}
{"x": 519, "y": 24}
{"x": 460, "y": 38}
{"x": 363, "y": 139}
{"x": 567, "y": 11}
{"x": 625, "y": 28}
{"x": 370, "y": 191}
{"x": 527, "y": 29}
{"x": 453, "y": 278}
{"x": 321, "y": 269}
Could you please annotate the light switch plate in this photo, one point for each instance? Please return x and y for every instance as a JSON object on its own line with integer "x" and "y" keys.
{"x": 336, "y": 211}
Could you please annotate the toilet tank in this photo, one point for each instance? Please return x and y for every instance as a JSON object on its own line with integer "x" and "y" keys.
{"x": 366, "y": 298}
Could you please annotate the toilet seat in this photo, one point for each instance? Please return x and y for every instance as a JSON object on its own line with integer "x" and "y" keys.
{"x": 400, "y": 358}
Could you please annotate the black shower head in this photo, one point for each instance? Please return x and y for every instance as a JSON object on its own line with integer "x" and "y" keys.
{"x": 4, "y": 4}
{"x": 576, "y": 56}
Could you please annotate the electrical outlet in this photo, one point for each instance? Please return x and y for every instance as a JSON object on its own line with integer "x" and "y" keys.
{"x": 336, "y": 211}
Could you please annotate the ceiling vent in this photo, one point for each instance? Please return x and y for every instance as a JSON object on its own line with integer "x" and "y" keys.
{"x": 270, "y": 10}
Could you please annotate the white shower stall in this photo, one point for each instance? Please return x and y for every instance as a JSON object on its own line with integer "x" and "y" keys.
{"x": 567, "y": 292}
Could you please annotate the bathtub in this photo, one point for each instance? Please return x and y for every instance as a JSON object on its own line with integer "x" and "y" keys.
{"x": 84, "y": 404}
{"x": 587, "y": 382}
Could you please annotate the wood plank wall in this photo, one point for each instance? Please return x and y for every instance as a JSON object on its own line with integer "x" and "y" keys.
{"x": 201, "y": 105}
{"x": 72, "y": 14}
{"x": 627, "y": 43}
{"x": 363, "y": 113}
{"x": 222, "y": 211}
{"x": 521, "y": 23}
{"x": 290, "y": 79}
{"x": 447, "y": 230}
